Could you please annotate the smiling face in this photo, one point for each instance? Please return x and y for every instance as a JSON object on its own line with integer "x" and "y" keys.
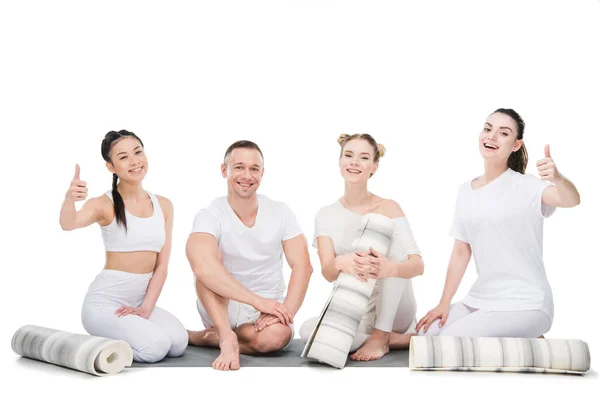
{"x": 243, "y": 170}
{"x": 357, "y": 161}
{"x": 128, "y": 160}
{"x": 498, "y": 139}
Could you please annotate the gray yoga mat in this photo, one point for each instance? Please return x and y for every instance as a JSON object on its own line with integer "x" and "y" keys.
{"x": 290, "y": 357}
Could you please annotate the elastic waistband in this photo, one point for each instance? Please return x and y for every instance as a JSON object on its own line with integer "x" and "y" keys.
{"x": 124, "y": 274}
{"x": 126, "y": 287}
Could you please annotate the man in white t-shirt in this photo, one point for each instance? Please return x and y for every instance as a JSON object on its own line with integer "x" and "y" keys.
{"x": 236, "y": 252}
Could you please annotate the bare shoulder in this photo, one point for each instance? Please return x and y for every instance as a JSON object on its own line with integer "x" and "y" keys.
{"x": 165, "y": 203}
{"x": 102, "y": 207}
{"x": 391, "y": 209}
{"x": 101, "y": 203}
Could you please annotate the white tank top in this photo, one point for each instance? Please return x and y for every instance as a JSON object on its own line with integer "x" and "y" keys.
{"x": 143, "y": 234}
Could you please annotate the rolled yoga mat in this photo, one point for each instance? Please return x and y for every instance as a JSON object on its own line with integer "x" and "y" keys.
{"x": 330, "y": 341}
{"x": 439, "y": 353}
{"x": 92, "y": 354}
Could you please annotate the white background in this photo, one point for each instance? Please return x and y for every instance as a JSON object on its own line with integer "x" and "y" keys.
{"x": 190, "y": 78}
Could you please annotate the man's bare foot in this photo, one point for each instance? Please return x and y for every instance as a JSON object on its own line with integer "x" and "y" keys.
{"x": 377, "y": 346}
{"x": 400, "y": 341}
{"x": 229, "y": 359}
{"x": 206, "y": 338}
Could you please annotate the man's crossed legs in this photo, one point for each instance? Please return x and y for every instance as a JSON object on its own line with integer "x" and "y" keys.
{"x": 231, "y": 327}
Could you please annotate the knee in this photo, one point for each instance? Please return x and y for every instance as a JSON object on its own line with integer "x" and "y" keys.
{"x": 179, "y": 344}
{"x": 433, "y": 330}
{"x": 153, "y": 349}
{"x": 307, "y": 328}
{"x": 272, "y": 338}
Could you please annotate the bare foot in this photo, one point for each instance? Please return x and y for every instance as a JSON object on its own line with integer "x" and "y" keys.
{"x": 377, "y": 346}
{"x": 400, "y": 341}
{"x": 229, "y": 359}
{"x": 206, "y": 338}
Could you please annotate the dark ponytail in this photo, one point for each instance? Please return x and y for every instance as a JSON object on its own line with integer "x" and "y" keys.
{"x": 517, "y": 161}
{"x": 118, "y": 203}
{"x": 110, "y": 139}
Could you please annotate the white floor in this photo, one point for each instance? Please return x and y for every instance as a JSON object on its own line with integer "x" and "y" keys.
{"x": 32, "y": 379}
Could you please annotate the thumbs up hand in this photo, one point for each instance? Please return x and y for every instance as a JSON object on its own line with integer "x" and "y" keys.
{"x": 78, "y": 189}
{"x": 547, "y": 168}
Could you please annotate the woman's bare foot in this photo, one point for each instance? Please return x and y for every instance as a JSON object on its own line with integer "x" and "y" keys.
{"x": 229, "y": 359}
{"x": 377, "y": 346}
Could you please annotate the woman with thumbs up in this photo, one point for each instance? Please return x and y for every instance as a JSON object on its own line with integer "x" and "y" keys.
{"x": 499, "y": 220}
{"x": 136, "y": 228}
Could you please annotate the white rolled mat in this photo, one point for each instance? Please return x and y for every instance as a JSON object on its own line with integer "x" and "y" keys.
{"x": 92, "y": 354}
{"x": 433, "y": 353}
{"x": 334, "y": 332}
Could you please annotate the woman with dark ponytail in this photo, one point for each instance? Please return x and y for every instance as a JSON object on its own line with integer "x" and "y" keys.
{"x": 136, "y": 228}
{"x": 499, "y": 219}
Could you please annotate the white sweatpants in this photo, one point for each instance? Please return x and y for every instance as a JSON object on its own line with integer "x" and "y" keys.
{"x": 392, "y": 308}
{"x": 151, "y": 339}
{"x": 470, "y": 322}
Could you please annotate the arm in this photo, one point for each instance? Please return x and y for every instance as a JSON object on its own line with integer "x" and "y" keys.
{"x": 332, "y": 265}
{"x": 71, "y": 219}
{"x": 92, "y": 210}
{"x": 411, "y": 267}
{"x": 202, "y": 250}
{"x": 563, "y": 193}
{"x": 160, "y": 269}
{"x": 459, "y": 259}
{"x": 329, "y": 269}
{"x": 408, "y": 269}
{"x": 296, "y": 254}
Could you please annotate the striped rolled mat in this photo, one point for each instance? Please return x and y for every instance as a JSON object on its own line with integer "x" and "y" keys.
{"x": 439, "y": 353}
{"x": 334, "y": 332}
{"x": 92, "y": 354}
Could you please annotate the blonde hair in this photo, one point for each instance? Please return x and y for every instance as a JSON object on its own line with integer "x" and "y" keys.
{"x": 378, "y": 149}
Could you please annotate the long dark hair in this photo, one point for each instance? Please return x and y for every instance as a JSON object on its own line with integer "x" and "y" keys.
{"x": 109, "y": 140}
{"x": 517, "y": 161}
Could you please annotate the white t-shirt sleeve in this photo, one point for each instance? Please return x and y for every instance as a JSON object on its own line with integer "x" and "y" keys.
{"x": 321, "y": 227}
{"x": 291, "y": 228}
{"x": 206, "y": 222}
{"x": 404, "y": 237}
{"x": 537, "y": 187}
{"x": 457, "y": 229}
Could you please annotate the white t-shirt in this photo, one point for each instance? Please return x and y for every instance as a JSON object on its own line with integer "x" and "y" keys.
{"x": 253, "y": 256}
{"x": 340, "y": 224}
{"x": 503, "y": 223}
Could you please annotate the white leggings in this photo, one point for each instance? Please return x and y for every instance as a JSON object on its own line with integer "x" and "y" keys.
{"x": 470, "y": 322}
{"x": 151, "y": 339}
{"x": 392, "y": 308}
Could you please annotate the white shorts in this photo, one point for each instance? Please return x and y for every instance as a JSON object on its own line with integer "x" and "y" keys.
{"x": 238, "y": 314}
